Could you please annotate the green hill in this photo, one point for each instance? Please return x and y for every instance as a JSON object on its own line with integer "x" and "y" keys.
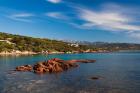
{"x": 10, "y": 42}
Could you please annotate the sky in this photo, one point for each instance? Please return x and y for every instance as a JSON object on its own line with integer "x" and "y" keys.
{"x": 79, "y": 20}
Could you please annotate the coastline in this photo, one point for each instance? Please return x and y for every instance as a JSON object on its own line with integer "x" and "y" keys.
{"x": 36, "y": 53}
{"x": 18, "y": 53}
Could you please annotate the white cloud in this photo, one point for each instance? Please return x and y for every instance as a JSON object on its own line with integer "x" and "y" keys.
{"x": 54, "y": 1}
{"x": 24, "y": 17}
{"x": 107, "y": 20}
{"x": 56, "y": 15}
{"x": 113, "y": 19}
{"x": 109, "y": 17}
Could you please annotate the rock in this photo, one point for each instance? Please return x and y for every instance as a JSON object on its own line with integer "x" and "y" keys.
{"x": 95, "y": 78}
{"x": 52, "y": 66}
{"x": 82, "y": 61}
{"x": 40, "y": 68}
{"x": 24, "y": 68}
{"x": 56, "y": 60}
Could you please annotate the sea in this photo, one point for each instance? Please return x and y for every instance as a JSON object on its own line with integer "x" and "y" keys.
{"x": 117, "y": 72}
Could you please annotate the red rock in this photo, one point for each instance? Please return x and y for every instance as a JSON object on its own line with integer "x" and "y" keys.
{"x": 82, "y": 61}
{"x": 52, "y": 66}
{"x": 24, "y": 68}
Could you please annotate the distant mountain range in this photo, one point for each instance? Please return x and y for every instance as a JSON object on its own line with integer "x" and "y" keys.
{"x": 107, "y": 45}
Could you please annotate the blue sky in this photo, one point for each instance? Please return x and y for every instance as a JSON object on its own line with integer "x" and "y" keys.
{"x": 84, "y": 20}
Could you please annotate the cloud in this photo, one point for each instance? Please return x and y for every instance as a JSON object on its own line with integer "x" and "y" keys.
{"x": 54, "y": 1}
{"x": 107, "y": 20}
{"x": 24, "y": 17}
{"x": 109, "y": 17}
{"x": 57, "y": 15}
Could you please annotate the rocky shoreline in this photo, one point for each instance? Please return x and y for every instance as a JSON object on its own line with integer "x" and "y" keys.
{"x": 34, "y": 53}
{"x": 54, "y": 65}
{"x": 18, "y": 53}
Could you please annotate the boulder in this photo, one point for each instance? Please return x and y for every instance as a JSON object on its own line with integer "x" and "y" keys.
{"x": 24, "y": 68}
{"x": 40, "y": 67}
{"x": 53, "y": 66}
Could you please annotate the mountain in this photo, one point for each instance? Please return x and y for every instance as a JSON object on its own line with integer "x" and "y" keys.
{"x": 109, "y": 46}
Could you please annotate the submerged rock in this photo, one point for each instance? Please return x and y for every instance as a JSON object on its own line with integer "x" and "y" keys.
{"x": 52, "y": 66}
{"x": 96, "y": 77}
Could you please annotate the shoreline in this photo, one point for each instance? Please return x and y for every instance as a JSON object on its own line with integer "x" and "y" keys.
{"x": 18, "y": 53}
{"x": 34, "y": 53}
{"x": 50, "y": 53}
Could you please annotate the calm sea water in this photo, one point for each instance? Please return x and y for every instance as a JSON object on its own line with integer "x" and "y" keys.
{"x": 119, "y": 72}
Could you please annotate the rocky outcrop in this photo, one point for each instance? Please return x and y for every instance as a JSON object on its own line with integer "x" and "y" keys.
{"x": 17, "y": 52}
{"x": 82, "y": 61}
{"x": 24, "y": 68}
{"x": 52, "y": 66}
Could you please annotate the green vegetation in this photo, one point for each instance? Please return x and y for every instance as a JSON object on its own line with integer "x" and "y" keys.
{"x": 24, "y": 43}
{"x": 110, "y": 46}
{"x": 118, "y": 46}
{"x": 10, "y": 42}
{"x": 6, "y": 47}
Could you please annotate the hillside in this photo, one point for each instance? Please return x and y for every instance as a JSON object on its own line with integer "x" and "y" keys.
{"x": 10, "y": 42}
{"x": 18, "y": 43}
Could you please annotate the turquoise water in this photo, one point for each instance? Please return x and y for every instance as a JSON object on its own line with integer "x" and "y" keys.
{"x": 119, "y": 72}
